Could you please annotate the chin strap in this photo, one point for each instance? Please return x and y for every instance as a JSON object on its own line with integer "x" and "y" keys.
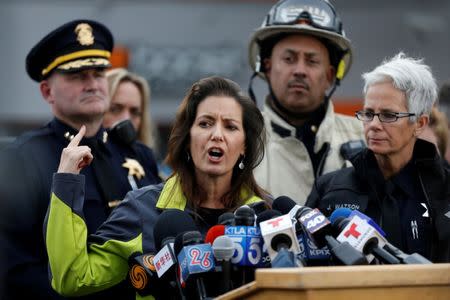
{"x": 250, "y": 87}
{"x": 278, "y": 105}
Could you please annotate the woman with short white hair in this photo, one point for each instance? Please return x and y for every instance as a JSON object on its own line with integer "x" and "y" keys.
{"x": 399, "y": 181}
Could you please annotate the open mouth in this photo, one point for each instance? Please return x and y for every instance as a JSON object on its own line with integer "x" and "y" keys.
{"x": 215, "y": 153}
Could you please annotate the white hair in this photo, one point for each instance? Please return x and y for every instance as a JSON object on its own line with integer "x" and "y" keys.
{"x": 409, "y": 75}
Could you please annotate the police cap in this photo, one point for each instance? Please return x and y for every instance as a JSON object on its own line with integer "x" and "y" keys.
{"x": 72, "y": 47}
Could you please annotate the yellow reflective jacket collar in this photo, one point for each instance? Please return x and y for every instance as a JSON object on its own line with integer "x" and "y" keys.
{"x": 172, "y": 196}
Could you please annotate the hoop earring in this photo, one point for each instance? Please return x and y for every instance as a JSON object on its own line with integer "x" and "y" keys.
{"x": 188, "y": 157}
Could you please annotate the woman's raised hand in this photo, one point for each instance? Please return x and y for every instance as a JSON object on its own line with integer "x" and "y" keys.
{"x": 75, "y": 157}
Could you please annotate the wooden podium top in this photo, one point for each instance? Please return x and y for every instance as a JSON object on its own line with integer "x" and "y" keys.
{"x": 369, "y": 282}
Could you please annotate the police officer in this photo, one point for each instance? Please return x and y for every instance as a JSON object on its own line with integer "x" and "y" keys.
{"x": 69, "y": 64}
{"x": 302, "y": 53}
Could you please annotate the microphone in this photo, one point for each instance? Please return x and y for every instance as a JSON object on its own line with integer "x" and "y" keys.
{"x": 284, "y": 204}
{"x": 318, "y": 228}
{"x": 368, "y": 220}
{"x": 308, "y": 249}
{"x": 166, "y": 227}
{"x": 244, "y": 216}
{"x": 226, "y": 219}
{"x": 264, "y": 216}
{"x": 223, "y": 249}
{"x": 404, "y": 258}
{"x": 279, "y": 233}
{"x": 248, "y": 244}
{"x": 195, "y": 258}
{"x": 409, "y": 259}
{"x": 363, "y": 237}
{"x": 259, "y": 207}
{"x": 164, "y": 232}
{"x": 214, "y": 232}
{"x": 142, "y": 273}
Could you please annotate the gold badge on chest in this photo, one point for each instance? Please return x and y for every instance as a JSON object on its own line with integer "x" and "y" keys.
{"x": 134, "y": 170}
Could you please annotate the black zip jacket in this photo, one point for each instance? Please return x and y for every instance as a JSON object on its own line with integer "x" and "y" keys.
{"x": 362, "y": 187}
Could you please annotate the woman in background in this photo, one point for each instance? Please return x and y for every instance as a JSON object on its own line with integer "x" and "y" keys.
{"x": 130, "y": 99}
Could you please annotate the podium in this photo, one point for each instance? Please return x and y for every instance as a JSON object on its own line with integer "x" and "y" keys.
{"x": 409, "y": 282}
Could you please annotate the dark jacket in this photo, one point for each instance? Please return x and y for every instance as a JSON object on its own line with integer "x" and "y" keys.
{"x": 362, "y": 187}
{"x": 27, "y": 167}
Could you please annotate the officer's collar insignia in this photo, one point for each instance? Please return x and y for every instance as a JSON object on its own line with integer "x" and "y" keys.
{"x": 84, "y": 34}
{"x": 105, "y": 137}
{"x": 69, "y": 136}
{"x": 134, "y": 168}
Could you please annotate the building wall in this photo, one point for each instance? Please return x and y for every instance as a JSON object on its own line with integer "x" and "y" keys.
{"x": 377, "y": 29}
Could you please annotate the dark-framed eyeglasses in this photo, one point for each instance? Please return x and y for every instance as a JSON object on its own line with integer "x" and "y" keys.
{"x": 385, "y": 117}
{"x": 318, "y": 14}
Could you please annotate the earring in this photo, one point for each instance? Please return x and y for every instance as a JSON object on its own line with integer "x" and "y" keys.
{"x": 188, "y": 156}
{"x": 241, "y": 164}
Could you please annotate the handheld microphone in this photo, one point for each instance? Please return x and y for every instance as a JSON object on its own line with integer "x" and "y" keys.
{"x": 166, "y": 227}
{"x": 164, "y": 232}
{"x": 368, "y": 220}
{"x": 214, "y": 232}
{"x": 309, "y": 251}
{"x": 264, "y": 216}
{"x": 409, "y": 259}
{"x": 223, "y": 249}
{"x": 195, "y": 258}
{"x": 248, "y": 245}
{"x": 363, "y": 237}
{"x": 226, "y": 219}
{"x": 244, "y": 216}
{"x": 279, "y": 233}
{"x": 318, "y": 228}
{"x": 404, "y": 258}
{"x": 142, "y": 273}
{"x": 259, "y": 207}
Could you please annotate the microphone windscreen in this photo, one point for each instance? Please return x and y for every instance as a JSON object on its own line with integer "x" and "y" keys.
{"x": 223, "y": 248}
{"x": 267, "y": 215}
{"x": 244, "y": 216}
{"x": 185, "y": 239}
{"x": 259, "y": 207}
{"x": 283, "y": 204}
{"x": 226, "y": 219}
{"x": 214, "y": 232}
{"x": 340, "y": 212}
{"x": 170, "y": 223}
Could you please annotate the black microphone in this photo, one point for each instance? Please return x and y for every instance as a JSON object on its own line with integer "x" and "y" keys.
{"x": 194, "y": 258}
{"x": 142, "y": 274}
{"x": 170, "y": 224}
{"x": 244, "y": 216}
{"x": 319, "y": 229}
{"x": 404, "y": 258}
{"x": 226, "y": 219}
{"x": 362, "y": 236}
{"x": 267, "y": 215}
{"x": 310, "y": 253}
{"x": 259, "y": 207}
{"x": 409, "y": 259}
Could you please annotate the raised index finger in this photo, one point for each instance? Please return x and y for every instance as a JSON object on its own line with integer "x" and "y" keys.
{"x": 76, "y": 139}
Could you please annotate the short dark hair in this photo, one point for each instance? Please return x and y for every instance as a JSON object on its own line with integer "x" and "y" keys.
{"x": 179, "y": 139}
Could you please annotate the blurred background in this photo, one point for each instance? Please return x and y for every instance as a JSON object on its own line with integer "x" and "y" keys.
{"x": 174, "y": 43}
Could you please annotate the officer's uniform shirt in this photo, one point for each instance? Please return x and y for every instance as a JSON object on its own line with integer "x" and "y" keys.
{"x": 26, "y": 178}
